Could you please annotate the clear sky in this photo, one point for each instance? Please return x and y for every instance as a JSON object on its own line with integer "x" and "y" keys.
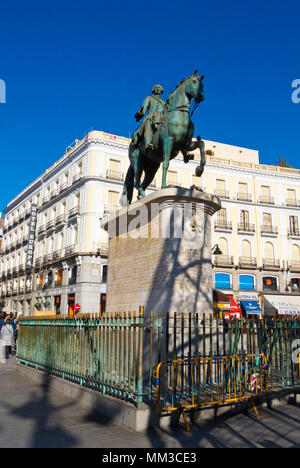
{"x": 70, "y": 66}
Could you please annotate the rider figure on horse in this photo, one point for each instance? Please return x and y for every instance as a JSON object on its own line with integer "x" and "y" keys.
{"x": 154, "y": 105}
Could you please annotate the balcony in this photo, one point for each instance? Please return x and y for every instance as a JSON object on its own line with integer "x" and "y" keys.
{"x": 54, "y": 193}
{"x": 246, "y": 228}
{"x": 294, "y": 232}
{"x": 41, "y": 229}
{"x": 223, "y": 225}
{"x": 74, "y": 212}
{"x": 110, "y": 209}
{"x": 103, "y": 250}
{"x": 47, "y": 258}
{"x": 28, "y": 288}
{"x": 57, "y": 254}
{"x": 15, "y": 271}
{"x": 224, "y": 261}
{"x": 38, "y": 261}
{"x": 50, "y": 224}
{"x": 63, "y": 187}
{"x": 266, "y": 200}
{"x": 46, "y": 199}
{"x": 24, "y": 240}
{"x": 21, "y": 269}
{"x": 292, "y": 202}
{"x": 294, "y": 266}
{"x": 247, "y": 262}
{"x": 27, "y": 213}
{"x": 271, "y": 264}
{"x": 60, "y": 220}
{"x": 77, "y": 177}
{"x": 9, "y": 273}
{"x": 244, "y": 197}
{"x": 222, "y": 194}
{"x": 21, "y": 289}
{"x": 269, "y": 230}
{"x": 114, "y": 175}
{"x": 71, "y": 249}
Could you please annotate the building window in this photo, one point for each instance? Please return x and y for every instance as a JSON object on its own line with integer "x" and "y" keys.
{"x": 270, "y": 283}
{"x": 73, "y": 275}
{"x": 295, "y": 283}
{"x": 244, "y": 218}
{"x": 104, "y": 273}
{"x": 293, "y": 225}
{"x": 222, "y": 281}
{"x": 246, "y": 283}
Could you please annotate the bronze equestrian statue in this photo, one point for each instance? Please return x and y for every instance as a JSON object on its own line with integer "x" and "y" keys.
{"x": 166, "y": 131}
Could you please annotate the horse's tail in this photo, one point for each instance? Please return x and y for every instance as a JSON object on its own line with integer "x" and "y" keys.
{"x": 126, "y": 197}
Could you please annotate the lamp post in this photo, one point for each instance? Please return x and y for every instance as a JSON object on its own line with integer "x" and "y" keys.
{"x": 216, "y": 250}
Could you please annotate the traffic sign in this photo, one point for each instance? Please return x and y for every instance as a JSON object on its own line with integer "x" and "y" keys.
{"x": 77, "y": 307}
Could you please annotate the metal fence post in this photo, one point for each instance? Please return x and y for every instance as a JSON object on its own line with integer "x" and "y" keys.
{"x": 140, "y": 359}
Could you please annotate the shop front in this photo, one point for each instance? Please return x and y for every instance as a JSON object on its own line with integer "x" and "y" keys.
{"x": 280, "y": 305}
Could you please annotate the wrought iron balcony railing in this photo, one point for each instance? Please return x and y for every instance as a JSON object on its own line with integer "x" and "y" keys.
{"x": 244, "y": 197}
{"x": 292, "y": 202}
{"x": 294, "y": 266}
{"x": 293, "y": 232}
{"x": 269, "y": 230}
{"x": 77, "y": 177}
{"x": 223, "y": 225}
{"x": 114, "y": 175}
{"x": 109, "y": 209}
{"x": 222, "y": 193}
{"x": 57, "y": 254}
{"x": 63, "y": 187}
{"x": 271, "y": 263}
{"x": 61, "y": 219}
{"x": 246, "y": 227}
{"x": 248, "y": 261}
{"x": 41, "y": 229}
{"x": 74, "y": 211}
{"x": 71, "y": 249}
{"x": 224, "y": 260}
{"x": 267, "y": 200}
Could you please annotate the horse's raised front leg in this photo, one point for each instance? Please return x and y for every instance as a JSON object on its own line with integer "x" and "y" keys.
{"x": 167, "y": 149}
{"x": 192, "y": 146}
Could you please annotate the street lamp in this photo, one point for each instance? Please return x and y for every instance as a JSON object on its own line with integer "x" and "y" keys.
{"x": 216, "y": 250}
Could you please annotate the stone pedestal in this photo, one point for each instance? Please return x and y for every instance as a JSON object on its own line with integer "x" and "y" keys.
{"x": 159, "y": 253}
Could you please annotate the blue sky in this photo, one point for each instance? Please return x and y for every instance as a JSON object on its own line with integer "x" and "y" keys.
{"x": 70, "y": 66}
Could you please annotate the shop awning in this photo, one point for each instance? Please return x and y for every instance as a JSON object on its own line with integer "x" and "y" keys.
{"x": 235, "y": 310}
{"x": 221, "y": 302}
{"x": 285, "y": 305}
{"x": 251, "y": 307}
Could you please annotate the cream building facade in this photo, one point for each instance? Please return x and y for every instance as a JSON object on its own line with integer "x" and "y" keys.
{"x": 257, "y": 229}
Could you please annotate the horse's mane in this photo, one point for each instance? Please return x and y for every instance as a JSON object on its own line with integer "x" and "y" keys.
{"x": 179, "y": 84}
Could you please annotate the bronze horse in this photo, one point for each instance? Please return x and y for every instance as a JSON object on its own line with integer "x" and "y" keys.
{"x": 175, "y": 134}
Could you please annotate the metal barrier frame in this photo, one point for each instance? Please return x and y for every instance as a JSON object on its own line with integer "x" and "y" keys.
{"x": 238, "y": 395}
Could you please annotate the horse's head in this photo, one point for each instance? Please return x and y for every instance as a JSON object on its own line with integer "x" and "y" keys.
{"x": 194, "y": 87}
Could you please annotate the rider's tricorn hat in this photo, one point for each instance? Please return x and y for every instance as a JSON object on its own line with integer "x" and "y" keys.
{"x": 158, "y": 86}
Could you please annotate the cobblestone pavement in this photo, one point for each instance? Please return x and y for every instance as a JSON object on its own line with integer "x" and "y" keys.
{"x": 33, "y": 416}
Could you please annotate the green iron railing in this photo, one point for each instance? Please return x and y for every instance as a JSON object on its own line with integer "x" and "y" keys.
{"x": 116, "y": 354}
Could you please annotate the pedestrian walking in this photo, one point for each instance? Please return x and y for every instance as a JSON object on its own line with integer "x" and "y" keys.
{"x": 7, "y": 336}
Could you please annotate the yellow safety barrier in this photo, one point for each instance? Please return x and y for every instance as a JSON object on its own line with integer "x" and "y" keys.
{"x": 185, "y": 384}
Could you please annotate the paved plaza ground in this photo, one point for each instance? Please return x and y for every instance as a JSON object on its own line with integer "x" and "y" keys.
{"x": 33, "y": 416}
